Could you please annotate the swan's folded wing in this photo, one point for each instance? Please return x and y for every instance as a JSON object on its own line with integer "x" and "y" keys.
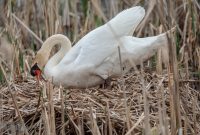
{"x": 133, "y": 52}
{"x": 95, "y": 47}
{"x": 127, "y": 21}
{"x": 71, "y": 55}
{"x": 100, "y": 43}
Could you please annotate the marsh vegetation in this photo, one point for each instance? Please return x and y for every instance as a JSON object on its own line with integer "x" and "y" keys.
{"x": 151, "y": 99}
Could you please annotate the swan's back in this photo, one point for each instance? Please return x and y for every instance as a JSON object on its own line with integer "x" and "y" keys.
{"x": 101, "y": 43}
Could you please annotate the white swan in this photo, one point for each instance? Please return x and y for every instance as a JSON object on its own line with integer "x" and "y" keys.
{"x": 95, "y": 57}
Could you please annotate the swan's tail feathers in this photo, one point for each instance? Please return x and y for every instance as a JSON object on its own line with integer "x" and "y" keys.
{"x": 127, "y": 21}
{"x": 164, "y": 42}
{"x": 162, "y": 39}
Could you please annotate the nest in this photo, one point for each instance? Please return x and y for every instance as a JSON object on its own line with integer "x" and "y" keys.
{"x": 137, "y": 103}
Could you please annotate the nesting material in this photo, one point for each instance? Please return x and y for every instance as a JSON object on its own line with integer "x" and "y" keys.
{"x": 136, "y": 103}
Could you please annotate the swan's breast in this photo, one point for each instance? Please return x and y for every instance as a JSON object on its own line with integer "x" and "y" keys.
{"x": 71, "y": 76}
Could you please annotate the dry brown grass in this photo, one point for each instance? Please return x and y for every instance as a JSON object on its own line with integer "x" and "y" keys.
{"x": 100, "y": 110}
{"x": 149, "y": 101}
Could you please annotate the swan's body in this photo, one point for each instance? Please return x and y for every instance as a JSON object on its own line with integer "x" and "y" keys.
{"x": 95, "y": 57}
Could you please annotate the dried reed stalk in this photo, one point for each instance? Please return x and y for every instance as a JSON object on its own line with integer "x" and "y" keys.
{"x": 14, "y": 101}
{"x": 62, "y": 111}
{"x": 51, "y": 109}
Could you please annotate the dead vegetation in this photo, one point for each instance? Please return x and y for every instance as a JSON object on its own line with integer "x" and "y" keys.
{"x": 151, "y": 100}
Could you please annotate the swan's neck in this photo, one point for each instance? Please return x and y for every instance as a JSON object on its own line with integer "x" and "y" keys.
{"x": 57, "y": 39}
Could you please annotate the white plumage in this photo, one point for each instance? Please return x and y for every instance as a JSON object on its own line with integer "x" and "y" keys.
{"x": 95, "y": 57}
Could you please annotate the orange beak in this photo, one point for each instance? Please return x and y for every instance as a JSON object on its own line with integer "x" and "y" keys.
{"x": 35, "y": 71}
{"x": 38, "y": 75}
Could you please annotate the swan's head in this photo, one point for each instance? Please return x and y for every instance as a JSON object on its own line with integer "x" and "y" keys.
{"x": 38, "y": 64}
{"x": 35, "y": 71}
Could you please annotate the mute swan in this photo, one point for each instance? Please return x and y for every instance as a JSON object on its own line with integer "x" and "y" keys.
{"x": 95, "y": 57}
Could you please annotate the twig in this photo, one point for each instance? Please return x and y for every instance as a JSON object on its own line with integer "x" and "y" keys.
{"x": 14, "y": 101}
{"x": 136, "y": 124}
{"x": 27, "y": 28}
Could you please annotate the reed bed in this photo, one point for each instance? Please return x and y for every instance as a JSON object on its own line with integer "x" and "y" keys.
{"x": 152, "y": 99}
{"x": 99, "y": 110}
